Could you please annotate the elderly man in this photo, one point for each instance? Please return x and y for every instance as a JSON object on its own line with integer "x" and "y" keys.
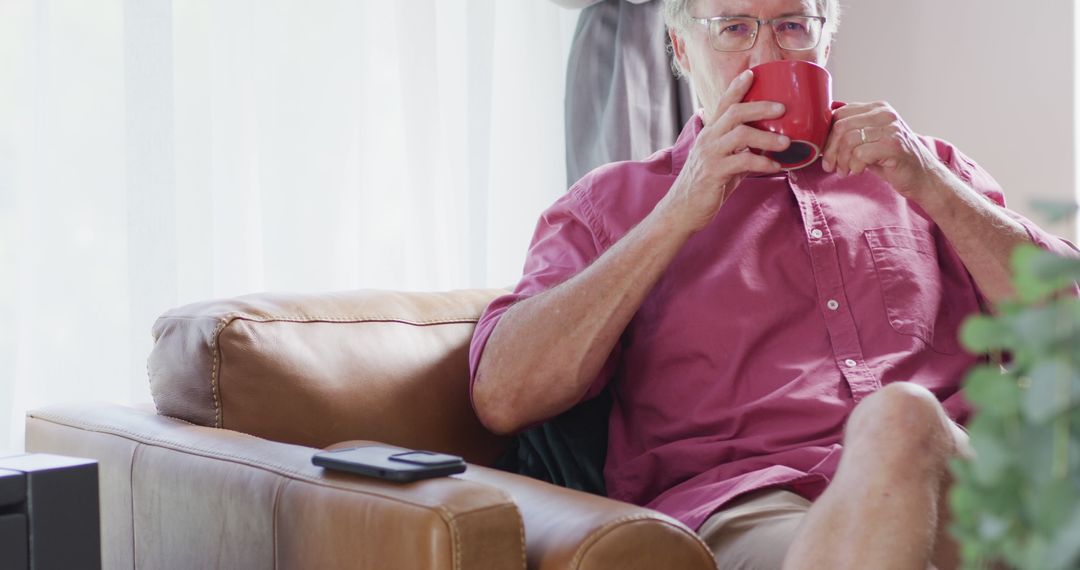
{"x": 781, "y": 346}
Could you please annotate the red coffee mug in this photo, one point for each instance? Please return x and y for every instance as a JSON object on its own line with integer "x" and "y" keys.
{"x": 805, "y": 89}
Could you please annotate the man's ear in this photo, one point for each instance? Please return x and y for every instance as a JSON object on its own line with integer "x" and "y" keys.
{"x": 679, "y": 48}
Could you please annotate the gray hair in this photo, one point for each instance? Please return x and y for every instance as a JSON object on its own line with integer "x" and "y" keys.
{"x": 677, "y": 13}
{"x": 677, "y": 17}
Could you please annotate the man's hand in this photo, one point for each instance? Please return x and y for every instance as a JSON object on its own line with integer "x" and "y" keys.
{"x": 872, "y": 135}
{"x": 721, "y": 158}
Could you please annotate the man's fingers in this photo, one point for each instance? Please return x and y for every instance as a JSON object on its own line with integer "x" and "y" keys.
{"x": 745, "y": 162}
{"x": 741, "y": 113}
{"x": 850, "y": 133}
{"x": 850, "y": 110}
{"x": 867, "y": 154}
{"x": 840, "y": 152}
{"x": 744, "y": 136}
{"x": 734, "y": 93}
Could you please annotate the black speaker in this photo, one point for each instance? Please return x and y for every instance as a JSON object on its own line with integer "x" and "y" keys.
{"x": 49, "y": 517}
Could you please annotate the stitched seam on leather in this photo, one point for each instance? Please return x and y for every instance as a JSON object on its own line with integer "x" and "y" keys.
{"x": 449, "y": 518}
{"x": 521, "y": 532}
{"x": 510, "y": 504}
{"x": 271, "y": 467}
{"x": 521, "y": 536}
{"x": 455, "y": 532}
{"x": 612, "y": 525}
{"x": 192, "y": 424}
{"x": 277, "y": 504}
{"x": 479, "y": 510}
{"x": 181, "y": 420}
{"x": 603, "y": 530}
{"x": 215, "y": 369}
{"x": 131, "y": 491}
{"x": 517, "y": 516}
{"x": 702, "y": 548}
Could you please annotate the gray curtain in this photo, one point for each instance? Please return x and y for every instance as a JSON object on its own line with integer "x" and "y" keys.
{"x": 622, "y": 100}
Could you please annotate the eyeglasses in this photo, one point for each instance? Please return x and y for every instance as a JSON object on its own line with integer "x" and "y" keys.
{"x": 738, "y": 33}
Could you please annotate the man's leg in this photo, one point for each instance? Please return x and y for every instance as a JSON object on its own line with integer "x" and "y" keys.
{"x": 946, "y": 550}
{"x": 881, "y": 509}
{"x": 753, "y": 532}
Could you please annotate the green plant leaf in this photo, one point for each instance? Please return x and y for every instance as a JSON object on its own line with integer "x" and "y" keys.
{"x": 1028, "y": 286}
{"x": 1064, "y": 550}
{"x": 1038, "y": 273}
{"x": 1018, "y": 500}
{"x": 1056, "y": 269}
{"x": 1048, "y": 394}
{"x": 963, "y": 500}
{"x": 972, "y": 553}
{"x": 1052, "y": 505}
{"x": 991, "y": 460}
{"x": 1033, "y": 554}
{"x": 988, "y": 426}
{"x": 992, "y": 528}
{"x": 1001, "y": 497}
{"x": 991, "y": 391}
{"x": 980, "y": 334}
{"x": 1035, "y": 453}
{"x": 1040, "y": 330}
{"x": 1074, "y": 449}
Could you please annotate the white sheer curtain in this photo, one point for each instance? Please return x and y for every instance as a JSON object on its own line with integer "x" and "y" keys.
{"x": 157, "y": 152}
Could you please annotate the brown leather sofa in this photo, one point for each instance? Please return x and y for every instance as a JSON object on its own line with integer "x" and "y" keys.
{"x": 247, "y": 389}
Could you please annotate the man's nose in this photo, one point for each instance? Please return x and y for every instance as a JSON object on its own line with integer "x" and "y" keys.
{"x": 765, "y": 47}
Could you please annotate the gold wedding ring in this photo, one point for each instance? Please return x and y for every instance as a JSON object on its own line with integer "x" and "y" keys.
{"x": 862, "y": 135}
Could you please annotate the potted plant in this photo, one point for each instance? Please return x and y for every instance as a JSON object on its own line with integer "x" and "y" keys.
{"x": 1017, "y": 502}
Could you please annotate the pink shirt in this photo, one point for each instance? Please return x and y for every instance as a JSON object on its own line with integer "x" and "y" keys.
{"x": 807, "y": 293}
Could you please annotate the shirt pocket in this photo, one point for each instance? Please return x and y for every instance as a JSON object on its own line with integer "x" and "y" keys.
{"x": 912, "y": 289}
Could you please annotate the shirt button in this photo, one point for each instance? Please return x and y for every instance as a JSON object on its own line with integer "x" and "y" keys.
{"x": 816, "y": 233}
{"x": 850, "y": 363}
{"x": 832, "y": 305}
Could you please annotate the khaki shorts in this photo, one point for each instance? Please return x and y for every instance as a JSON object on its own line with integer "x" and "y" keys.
{"x": 754, "y": 532}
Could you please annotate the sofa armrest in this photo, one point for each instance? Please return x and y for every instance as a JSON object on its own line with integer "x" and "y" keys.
{"x": 176, "y": 495}
{"x": 318, "y": 368}
{"x": 567, "y": 529}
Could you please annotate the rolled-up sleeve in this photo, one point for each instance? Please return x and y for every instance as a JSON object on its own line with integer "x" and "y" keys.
{"x": 982, "y": 182}
{"x": 957, "y": 406}
{"x": 564, "y": 243}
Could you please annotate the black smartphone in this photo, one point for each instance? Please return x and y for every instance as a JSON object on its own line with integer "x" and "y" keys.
{"x": 390, "y": 463}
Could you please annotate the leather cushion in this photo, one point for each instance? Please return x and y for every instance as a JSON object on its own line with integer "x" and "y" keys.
{"x": 314, "y": 369}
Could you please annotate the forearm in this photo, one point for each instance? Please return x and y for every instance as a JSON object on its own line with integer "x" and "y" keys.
{"x": 546, "y": 351}
{"x": 982, "y": 234}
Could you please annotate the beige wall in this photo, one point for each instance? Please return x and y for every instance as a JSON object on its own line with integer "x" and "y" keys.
{"x": 997, "y": 84}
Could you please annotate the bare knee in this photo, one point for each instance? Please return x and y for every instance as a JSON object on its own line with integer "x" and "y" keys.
{"x": 904, "y": 426}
